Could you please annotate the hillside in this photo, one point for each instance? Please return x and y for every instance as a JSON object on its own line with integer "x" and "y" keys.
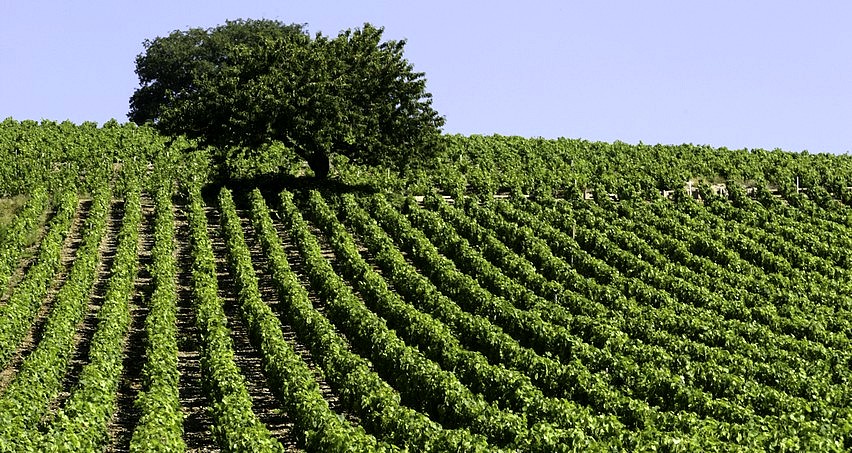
{"x": 145, "y": 308}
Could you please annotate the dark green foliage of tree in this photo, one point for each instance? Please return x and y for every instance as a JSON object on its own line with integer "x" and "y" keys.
{"x": 249, "y": 83}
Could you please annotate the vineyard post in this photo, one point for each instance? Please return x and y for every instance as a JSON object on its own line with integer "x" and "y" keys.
{"x": 575, "y": 178}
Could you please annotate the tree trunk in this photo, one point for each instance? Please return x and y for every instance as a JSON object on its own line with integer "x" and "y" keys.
{"x": 320, "y": 164}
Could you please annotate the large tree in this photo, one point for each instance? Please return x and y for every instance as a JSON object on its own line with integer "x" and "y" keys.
{"x": 248, "y": 83}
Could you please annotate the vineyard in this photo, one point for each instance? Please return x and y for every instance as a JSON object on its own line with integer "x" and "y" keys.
{"x": 146, "y": 309}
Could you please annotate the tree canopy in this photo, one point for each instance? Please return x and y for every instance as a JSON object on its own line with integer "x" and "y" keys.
{"x": 249, "y": 83}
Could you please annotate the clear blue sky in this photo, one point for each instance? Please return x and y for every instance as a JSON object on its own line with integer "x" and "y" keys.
{"x": 740, "y": 74}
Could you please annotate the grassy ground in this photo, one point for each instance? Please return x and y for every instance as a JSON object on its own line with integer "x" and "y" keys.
{"x": 8, "y": 208}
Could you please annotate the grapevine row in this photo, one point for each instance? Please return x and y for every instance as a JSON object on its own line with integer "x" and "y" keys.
{"x": 786, "y": 295}
{"x": 40, "y": 377}
{"x": 437, "y": 343}
{"x": 318, "y": 428}
{"x": 539, "y": 252}
{"x": 706, "y": 374}
{"x": 814, "y": 232}
{"x": 16, "y": 235}
{"x": 160, "y": 419}
{"x": 769, "y": 372}
{"x": 766, "y": 401}
{"x": 801, "y": 265}
{"x": 737, "y": 303}
{"x": 646, "y": 294}
{"x": 20, "y": 310}
{"x": 236, "y": 427}
{"x": 553, "y": 337}
{"x": 570, "y": 379}
{"x": 341, "y": 303}
{"x": 750, "y": 255}
{"x": 82, "y": 423}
